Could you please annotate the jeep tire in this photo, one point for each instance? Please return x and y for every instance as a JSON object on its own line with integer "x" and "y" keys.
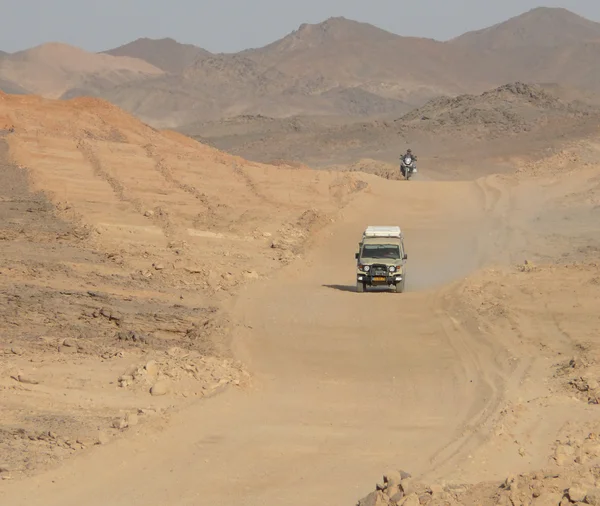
{"x": 399, "y": 287}
{"x": 360, "y": 287}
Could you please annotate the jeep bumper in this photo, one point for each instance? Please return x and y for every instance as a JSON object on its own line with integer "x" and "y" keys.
{"x": 389, "y": 279}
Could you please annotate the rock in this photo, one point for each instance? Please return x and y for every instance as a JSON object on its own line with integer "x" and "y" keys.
{"x": 17, "y": 350}
{"x": 577, "y": 494}
{"x": 70, "y": 343}
{"x": 397, "y": 497}
{"x": 151, "y": 368}
{"x": 158, "y": 267}
{"x": 159, "y": 388}
{"x": 67, "y": 349}
{"x": 407, "y": 486}
{"x": 85, "y": 347}
{"x": 131, "y": 419}
{"x": 120, "y": 423}
{"x": 392, "y": 490}
{"x": 4, "y": 468}
{"x": 251, "y": 275}
{"x": 435, "y": 489}
{"x": 404, "y": 475}
{"x": 149, "y": 214}
{"x": 548, "y": 499}
{"x": 27, "y": 379}
{"x": 376, "y": 498}
{"x": 392, "y": 478}
{"x": 116, "y": 316}
{"x": 593, "y": 497}
{"x": 410, "y": 500}
{"x": 102, "y": 438}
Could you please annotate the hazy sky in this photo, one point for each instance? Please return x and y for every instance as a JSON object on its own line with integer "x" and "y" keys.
{"x": 231, "y": 25}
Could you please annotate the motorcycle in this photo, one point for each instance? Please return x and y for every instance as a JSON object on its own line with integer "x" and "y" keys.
{"x": 407, "y": 166}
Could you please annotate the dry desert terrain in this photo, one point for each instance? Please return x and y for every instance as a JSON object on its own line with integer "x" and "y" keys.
{"x": 179, "y": 323}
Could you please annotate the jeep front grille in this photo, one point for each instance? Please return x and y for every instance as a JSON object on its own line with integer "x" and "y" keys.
{"x": 379, "y": 270}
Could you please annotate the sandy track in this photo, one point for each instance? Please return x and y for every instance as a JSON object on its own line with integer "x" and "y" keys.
{"x": 347, "y": 384}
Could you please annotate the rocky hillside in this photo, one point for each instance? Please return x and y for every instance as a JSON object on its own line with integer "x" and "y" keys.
{"x": 511, "y": 108}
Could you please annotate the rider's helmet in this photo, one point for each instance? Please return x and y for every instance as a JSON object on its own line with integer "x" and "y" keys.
{"x": 409, "y": 151}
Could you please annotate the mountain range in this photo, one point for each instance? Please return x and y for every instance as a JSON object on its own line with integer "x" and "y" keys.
{"x": 339, "y": 67}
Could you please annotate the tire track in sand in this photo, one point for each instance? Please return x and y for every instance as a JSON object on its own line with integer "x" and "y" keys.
{"x": 122, "y": 193}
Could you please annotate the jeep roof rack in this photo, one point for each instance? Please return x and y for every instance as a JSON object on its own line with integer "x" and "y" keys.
{"x": 382, "y": 231}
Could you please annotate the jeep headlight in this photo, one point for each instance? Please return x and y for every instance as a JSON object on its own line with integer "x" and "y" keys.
{"x": 392, "y": 269}
{"x": 366, "y": 268}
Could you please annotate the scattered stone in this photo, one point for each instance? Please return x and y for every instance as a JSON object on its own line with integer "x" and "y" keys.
{"x": 125, "y": 380}
{"x": 147, "y": 411}
{"x": 392, "y": 490}
{"x": 424, "y": 499}
{"x": 577, "y": 494}
{"x": 159, "y": 388}
{"x": 17, "y": 350}
{"x": 407, "y": 486}
{"x": 120, "y": 423}
{"x": 149, "y": 214}
{"x": 132, "y": 336}
{"x": 151, "y": 368}
{"x": 251, "y": 275}
{"x": 577, "y": 363}
{"x": 593, "y": 497}
{"x": 27, "y": 379}
{"x": 397, "y": 497}
{"x": 102, "y": 438}
{"x": 131, "y": 419}
{"x": 70, "y": 343}
{"x": 410, "y": 500}
{"x": 68, "y": 350}
{"x": 158, "y": 267}
{"x": 548, "y": 499}
{"x": 376, "y": 498}
{"x": 392, "y": 478}
{"x": 435, "y": 489}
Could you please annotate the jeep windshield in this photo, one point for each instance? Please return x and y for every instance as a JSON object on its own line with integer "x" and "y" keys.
{"x": 381, "y": 251}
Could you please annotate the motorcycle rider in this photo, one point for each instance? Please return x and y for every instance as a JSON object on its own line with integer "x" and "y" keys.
{"x": 414, "y": 158}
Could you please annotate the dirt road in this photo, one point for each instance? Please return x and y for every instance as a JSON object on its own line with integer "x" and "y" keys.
{"x": 346, "y": 384}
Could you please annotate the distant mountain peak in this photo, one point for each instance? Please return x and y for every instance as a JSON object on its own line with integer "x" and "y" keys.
{"x": 166, "y": 53}
{"x": 538, "y": 27}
